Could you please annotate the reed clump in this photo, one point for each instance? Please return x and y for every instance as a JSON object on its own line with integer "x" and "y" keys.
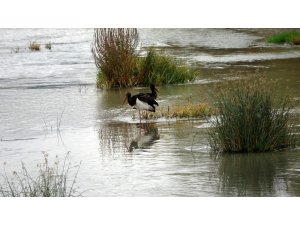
{"x": 250, "y": 118}
{"x": 292, "y": 37}
{"x": 34, "y": 46}
{"x": 48, "y": 46}
{"x": 189, "y": 110}
{"x": 161, "y": 69}
{"x": 120, "y": 65}
{"x": 115, "y": 56}
{"x": 51, "y": 181}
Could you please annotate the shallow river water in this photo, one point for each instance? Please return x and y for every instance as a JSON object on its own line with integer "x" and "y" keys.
{"x": 49, "y": 103}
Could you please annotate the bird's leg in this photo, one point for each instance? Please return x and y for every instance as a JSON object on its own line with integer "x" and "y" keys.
{"x": 140, "y": 116}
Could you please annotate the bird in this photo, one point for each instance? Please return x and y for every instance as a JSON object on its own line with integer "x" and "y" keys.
{"x": 143, "y": 101}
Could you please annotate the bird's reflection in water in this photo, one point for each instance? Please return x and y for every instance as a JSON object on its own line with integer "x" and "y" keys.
{"x": 115, "y": 137}
{"x": 148, "y": 134}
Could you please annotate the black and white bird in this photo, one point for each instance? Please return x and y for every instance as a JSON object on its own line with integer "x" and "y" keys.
{"x": 143, "y": 101}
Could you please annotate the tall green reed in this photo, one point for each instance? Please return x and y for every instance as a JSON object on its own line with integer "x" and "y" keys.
{"x": 250, "y": 118}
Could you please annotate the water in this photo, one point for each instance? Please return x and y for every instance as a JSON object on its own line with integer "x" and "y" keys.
{"x": 49, "y": 103}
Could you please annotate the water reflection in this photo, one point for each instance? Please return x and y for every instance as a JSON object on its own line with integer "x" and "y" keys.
{"x": 294, "y": 184}
{"x": 252, "y": 174}
{"x": 119, "y": 137}
{"x": 147, "y": 137}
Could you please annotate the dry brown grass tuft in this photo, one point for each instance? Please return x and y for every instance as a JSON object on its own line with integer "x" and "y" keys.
{"x": 115, "y": 56}
{"x": 34, "y": 46}
{"x": 190, "y": 110}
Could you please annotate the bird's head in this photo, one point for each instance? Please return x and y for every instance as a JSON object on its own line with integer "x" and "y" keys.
{"x": 128, "y": 95}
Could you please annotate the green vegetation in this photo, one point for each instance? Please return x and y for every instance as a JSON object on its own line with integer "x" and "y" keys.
{"x": 48, "y": 46}
{"x": 119, "y": 64}
{"x": 162, "y": 69}
{"x": 34, "y": 46}
{"x": 190, "y": 110}
{"x": 50, "y": 182}
{"x": 292, "y": 37}
{"x": 250, "y": 118}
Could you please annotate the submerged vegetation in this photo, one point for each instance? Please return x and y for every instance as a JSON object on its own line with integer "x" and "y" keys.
{"x": 51, "y": 181}
{"x": 292, "y": 37}
{"x": 15, "y": 50}
{"x": 119, "y": 64}
{"x": 251, "y": 119}
{"x": 48, "y": 46}
{"x": 34, "y": 46}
